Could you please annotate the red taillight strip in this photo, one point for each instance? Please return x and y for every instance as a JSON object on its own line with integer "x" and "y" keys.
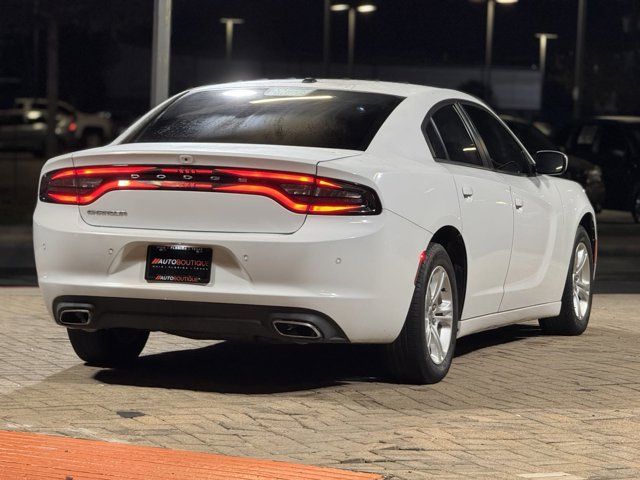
{"x": 267, "y": 175}
{"x": 83, "y": 186}
{"x": 96, "y": 171}
{"x": 273, "y": 193}
{"x": 332, "y": 208}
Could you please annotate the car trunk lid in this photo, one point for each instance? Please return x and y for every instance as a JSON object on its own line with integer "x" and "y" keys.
{"x": 194, "y": 165}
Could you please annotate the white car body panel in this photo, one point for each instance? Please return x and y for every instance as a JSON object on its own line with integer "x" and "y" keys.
{"x": 489, "y": 248}
{"x": 538, "y": 267}
{"x": 207, "y": 211}
{"x": 357, "y": 270}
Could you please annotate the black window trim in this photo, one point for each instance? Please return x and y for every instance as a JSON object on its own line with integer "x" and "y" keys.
{"x": 428, "y": 118}
{"x": 437, "y": 130}
{"x": 487, "y": 164}
{"x": 485, "y": 152}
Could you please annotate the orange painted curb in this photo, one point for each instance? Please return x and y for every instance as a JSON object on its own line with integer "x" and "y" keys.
{"x": 28, "y": 456}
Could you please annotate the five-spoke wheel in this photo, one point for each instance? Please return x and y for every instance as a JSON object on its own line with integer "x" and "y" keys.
{"x": 438, "y": 319}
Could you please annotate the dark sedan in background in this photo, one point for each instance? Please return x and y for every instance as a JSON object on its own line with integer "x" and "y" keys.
{"x": 580, "y": 170}
{"x": 613, "y": 143}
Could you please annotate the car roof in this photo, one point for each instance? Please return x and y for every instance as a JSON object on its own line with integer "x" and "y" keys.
{"x": 372, "y": 86}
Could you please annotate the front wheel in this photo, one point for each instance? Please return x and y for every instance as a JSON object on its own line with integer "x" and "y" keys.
{"x": 115, "y": 347}
{"x": 423, "y": 351}
{"x": 578, "y": 291}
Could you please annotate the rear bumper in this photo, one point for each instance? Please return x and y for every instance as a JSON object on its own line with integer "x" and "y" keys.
{"x": 357, "y": 272}
{"x": 199, "y": 319}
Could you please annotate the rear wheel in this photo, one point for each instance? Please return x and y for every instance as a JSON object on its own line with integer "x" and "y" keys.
{"x": 578, "y": 292}
{"x": 116, "y": 347}
{"x": 423, "y": 351}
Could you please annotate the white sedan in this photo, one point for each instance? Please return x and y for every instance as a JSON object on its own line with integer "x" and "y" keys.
{"x": 312, "y": 211}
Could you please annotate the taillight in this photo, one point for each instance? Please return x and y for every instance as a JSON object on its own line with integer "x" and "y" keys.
{"x": 299, "y": 193}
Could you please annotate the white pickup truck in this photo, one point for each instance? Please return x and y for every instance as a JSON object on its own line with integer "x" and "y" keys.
{"x": 24, "y": 127}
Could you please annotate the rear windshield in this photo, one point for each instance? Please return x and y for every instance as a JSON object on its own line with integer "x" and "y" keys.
{"x": 294, "y": 116}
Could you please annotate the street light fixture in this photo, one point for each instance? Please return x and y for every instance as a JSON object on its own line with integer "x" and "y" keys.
{"x": 229, "y": 24}
{"x": 488, "y": 54}
{"x": 352, "y": 10}
{"x": 339, "y": 7}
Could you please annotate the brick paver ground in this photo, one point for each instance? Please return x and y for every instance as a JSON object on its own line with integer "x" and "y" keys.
{"x": 515, "y": 404}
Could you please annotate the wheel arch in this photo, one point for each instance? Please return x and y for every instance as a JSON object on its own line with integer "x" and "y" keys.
{"x": 451, "y": 240}
{"x": 588, "y": 221}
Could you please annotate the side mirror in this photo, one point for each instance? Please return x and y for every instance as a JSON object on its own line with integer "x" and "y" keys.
{"x": 551, "y": 162}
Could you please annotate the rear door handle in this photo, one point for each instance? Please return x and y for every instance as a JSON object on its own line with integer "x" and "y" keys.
{"x": 518, "y": 203}
{"x": 467, "y": 192}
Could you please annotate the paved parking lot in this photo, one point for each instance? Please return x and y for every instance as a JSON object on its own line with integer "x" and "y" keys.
{"x": 515, "y": 403}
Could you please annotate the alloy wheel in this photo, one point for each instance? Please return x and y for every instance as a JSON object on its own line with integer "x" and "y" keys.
{"x": 438, "y": 318}
{"x": 581, "y": 281}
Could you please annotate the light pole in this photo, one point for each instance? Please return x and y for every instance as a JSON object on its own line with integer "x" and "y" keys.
{"x": 577, "y": 76}
{"x": 351, "y": 34}
{"x": 326, "y": 38}
{"x": 542, "y": 62}
{"x": 488, "y": 51}
{"x": 229, "y": 24}
{"x": 161, "y": 51}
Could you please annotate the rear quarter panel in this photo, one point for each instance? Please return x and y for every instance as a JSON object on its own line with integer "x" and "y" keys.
{"x": 399, "y": 164}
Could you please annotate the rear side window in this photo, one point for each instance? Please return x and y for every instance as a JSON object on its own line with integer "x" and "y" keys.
{"x": 435, "y": 141}
{"x": 294, "y": 116}
{"x": 457, "y": 142}
{"x": 505, "y": 153}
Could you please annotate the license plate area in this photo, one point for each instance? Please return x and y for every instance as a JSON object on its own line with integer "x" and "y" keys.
{"x": 178, "y": 264}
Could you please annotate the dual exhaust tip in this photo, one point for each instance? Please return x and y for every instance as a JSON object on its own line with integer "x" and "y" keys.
{"x": 78, "y": 317}
{"x": 296, "y": 329}
{"x": 74, "y": 317}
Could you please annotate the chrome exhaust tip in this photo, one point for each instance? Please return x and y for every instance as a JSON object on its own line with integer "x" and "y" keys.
{"x": 74, "y": 317}
{"x": 296, "y": 329}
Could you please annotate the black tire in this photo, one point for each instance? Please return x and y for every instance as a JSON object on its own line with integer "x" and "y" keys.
{"x": 568, "y": 322}
{"x": 408, "y": 356}
{"x": 116, "y": 347}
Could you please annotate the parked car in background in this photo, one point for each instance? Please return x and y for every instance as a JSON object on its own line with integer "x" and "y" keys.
{"x": 613, "y": 143}
{"x": 24, "y": 127}
{"x": 579, "y": 170}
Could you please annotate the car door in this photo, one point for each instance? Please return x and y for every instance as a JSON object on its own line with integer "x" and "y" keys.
{"x": 536, "y": 273}
{"x": 485, "y": 206}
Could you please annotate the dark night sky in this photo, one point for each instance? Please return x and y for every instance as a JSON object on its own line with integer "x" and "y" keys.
{"x": 403, "y": 32}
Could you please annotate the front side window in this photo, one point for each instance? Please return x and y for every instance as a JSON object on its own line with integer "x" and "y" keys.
{"x": 293, "y": 116}
{"x": 457, "y": 142}
{"x": 505, "y": 153}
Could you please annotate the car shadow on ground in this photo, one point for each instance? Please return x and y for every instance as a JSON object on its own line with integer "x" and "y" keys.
{"x": 231, "y": 367}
